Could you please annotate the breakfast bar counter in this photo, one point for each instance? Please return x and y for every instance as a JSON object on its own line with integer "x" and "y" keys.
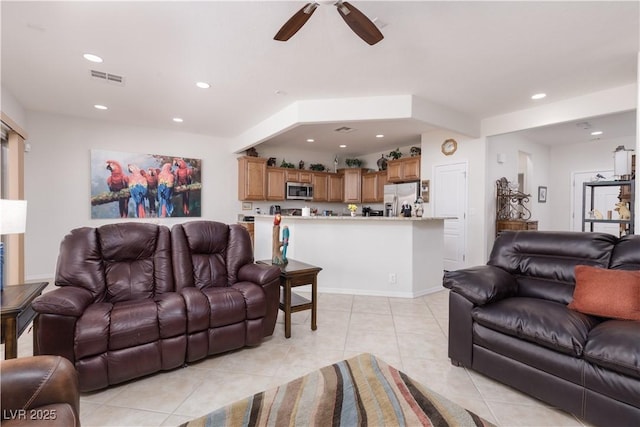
{"x": 385, "y": 256}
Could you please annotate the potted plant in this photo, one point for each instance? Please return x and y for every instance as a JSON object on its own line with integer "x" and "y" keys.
{"x": 395, "y": 154}
{"x": 353, "y": 163}
{"x": 352, "y": 208}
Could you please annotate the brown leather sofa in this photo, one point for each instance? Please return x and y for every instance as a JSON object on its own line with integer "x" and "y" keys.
{"x": 39, "y": 390}
{"x": 121, "y": 312}
{"x": 509, "y": 320}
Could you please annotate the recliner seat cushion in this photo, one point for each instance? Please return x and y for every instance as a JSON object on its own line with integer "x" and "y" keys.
{"x": 543, "y": 322}
{"x": 615, "y": 344}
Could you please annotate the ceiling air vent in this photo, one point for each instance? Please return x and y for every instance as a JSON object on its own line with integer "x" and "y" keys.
{"x": 344, "y": 129}
{"x": 107, "y": 77}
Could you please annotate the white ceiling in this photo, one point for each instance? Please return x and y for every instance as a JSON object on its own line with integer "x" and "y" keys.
{"x": 477, "y": 58}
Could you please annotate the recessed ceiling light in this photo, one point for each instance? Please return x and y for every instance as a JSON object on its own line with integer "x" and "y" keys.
{"x": 310, "y": 140}
{"x": 91, "y": 57}
{"x": 596, "y": 133}
{"x": 379, "y": 135}
{"x": 178, "y": 120}
{"x": 203, "y": 85}
{"x": 100, "y": 107}
{"x": 342, "y": 146}
{"x": 539, "y": 96}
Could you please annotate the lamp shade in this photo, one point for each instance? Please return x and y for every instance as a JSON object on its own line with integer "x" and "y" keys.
{"x": 13, "y": 216}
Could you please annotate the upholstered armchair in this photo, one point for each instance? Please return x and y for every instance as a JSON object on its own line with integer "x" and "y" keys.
{"x": 231, "y": 302}
{"x": 116, "y": 315}
{"x": 39, "y": 390}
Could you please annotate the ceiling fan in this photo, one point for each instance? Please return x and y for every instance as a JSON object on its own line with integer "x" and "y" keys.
{"x": 356, "y": 20}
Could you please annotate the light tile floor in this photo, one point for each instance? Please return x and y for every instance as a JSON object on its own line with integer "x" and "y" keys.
{"x": 410, "y": 334}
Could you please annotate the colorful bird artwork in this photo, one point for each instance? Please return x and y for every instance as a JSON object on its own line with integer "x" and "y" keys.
{"x": 138, "y": 189}
{"x": 183, "y": 177}
{"x": 166, "y": 181}
{"x": 118, "y": 181}
{"x": 151, "y": 175}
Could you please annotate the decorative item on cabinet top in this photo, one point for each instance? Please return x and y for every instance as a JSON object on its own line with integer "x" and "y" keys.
{"x": 395, "y": 154}
{"x": 353, "y": 163}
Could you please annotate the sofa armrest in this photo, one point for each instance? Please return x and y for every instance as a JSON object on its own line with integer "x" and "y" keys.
{"x": 481, "y": 285}
{"x": 65, "y": 301}
{"x": 260, "y": 274}
{"x": 33, "y": 382}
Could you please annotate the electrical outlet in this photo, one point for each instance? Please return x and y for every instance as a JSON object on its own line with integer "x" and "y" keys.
{"x": 392, "y": 278}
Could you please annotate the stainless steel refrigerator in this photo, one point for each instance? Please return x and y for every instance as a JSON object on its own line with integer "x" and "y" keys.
{"x": 396, "y": 194}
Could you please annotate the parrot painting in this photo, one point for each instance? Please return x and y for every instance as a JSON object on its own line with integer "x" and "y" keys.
{"x": 151, "y": 176}
{"x": 166, "y": 180}
{"x": 183, "y": 177}
{"x": 118, "y": 181}
{"x": 138, "y": 189}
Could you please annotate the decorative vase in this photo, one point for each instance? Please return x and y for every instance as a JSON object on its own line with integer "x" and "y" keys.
{"x": 353, "y": 214}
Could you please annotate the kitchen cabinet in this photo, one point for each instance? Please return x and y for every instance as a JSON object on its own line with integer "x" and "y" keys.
{"x": 404, "y": 169}
{"x": 336, "y": 188}
{"x": 251, "y": 178}
{"x": 275, "y": 183}
{"x": 320, "y": 183}
{"x": 296, "y": 175}
{"x": 352, "y": 184}
{"x": 373, "y": 186}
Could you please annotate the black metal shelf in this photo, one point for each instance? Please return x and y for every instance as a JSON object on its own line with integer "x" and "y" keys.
{"x": 627, "y": 223}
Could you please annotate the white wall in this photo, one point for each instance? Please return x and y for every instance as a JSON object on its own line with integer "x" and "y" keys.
{"x": 12, "y": 108}
{"x": 510, "y": 146}
{"x": 57, "y": 178}
{"x": 569, "y": 158}
{"x": 472, "y": 151}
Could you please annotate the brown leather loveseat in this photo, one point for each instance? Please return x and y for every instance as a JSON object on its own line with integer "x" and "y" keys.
{"x": 131, "y": 304}
{"x": 521, "y": 320}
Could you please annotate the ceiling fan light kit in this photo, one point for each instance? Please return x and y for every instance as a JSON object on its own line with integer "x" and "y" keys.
{"x": 356, "y": 20}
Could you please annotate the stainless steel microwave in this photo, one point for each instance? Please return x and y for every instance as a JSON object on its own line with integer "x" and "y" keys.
{"x": 299, "y": 191}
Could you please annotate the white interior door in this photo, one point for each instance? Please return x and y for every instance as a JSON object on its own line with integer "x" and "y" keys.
{"x": 450, "y": 199}
{"x": 605, "y": 199}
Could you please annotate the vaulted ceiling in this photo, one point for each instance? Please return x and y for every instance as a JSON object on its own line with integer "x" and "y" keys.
{"x": 477, "y": 58}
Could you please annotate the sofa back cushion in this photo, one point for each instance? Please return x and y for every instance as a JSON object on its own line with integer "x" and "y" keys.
{"x": 209, "y": 253}
{"x": 544, "y": 261}
{"x": 626, "y": 254}
{"x": 80, "y": 262}
{"x": 137, "y": 260}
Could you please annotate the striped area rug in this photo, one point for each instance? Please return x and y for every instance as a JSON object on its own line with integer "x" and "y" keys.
{"x": 361, "y": 391}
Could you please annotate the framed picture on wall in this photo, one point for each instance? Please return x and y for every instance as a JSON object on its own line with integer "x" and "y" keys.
{"x": 141, "y": 185}
{"x": 542, "y": 194}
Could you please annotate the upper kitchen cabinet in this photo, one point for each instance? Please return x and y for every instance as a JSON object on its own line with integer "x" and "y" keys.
{"x": 251, "y": 178}
{"x": 404, "y": 169}
{"x": 336, "y": 187}
{"x": 320, "y": 183}
{"x": 275, "y": 183}
{"x": 373, "y": 187}
{"x": 352, "y": 184}
{"x": 297, "y": 175}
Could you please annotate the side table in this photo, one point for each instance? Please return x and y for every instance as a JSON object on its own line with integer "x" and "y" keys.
{"x": 17, "y": 314}
{"x": 292, "y": 274}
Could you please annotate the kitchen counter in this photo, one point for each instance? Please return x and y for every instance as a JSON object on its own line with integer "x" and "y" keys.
{"x": 397, "y": 257}
{"x": 353, "y": 218}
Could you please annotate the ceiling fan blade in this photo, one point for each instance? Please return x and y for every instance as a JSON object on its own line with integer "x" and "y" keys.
{"x": 296, "y": 22}
{"x": 359, "y": 23}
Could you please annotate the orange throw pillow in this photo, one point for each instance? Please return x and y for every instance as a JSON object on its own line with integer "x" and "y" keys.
{"x": 607, "y": 293}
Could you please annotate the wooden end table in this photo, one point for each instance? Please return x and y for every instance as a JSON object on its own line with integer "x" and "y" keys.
{"x": 292, "y": 274}
{"x": 17, "y": 314}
